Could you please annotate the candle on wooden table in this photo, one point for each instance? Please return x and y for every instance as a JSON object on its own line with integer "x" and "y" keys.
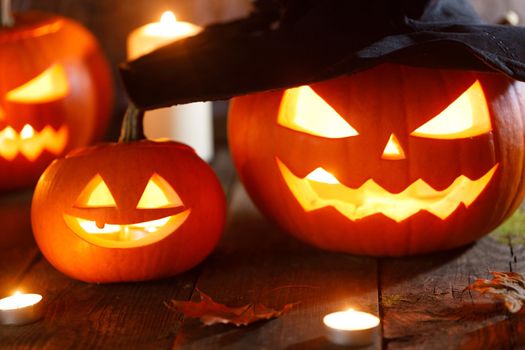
{"x": 350, "y": 327}
{"x": 191, "y": 123}
{"x": 20, "y": 309}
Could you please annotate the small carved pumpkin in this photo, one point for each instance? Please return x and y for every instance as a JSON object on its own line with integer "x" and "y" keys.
{"x": 128, "y": 211}
{"x": 395, "y": 160}
{"x": 55, "y": 94}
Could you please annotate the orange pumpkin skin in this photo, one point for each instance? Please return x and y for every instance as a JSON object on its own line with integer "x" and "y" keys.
{"x": 81, "y": 112}
{"x": 388, "y": 99}
{"x": 125, "y": 169}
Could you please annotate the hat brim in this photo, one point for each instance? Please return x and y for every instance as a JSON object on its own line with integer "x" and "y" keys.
{"x": 227, "y": 60}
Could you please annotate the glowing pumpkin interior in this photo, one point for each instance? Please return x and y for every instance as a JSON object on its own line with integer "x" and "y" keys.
{"x": 97, "y": 218}
{"x": 49, "y": 86}
{"x": 304, "y": 111}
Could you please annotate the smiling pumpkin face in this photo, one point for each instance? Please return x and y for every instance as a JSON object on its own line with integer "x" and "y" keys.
{"x": 97, "y": 218}
{"x": 55, "y": 94}
{"x": 390, "y": 161}
{"x": 127, "y": 212}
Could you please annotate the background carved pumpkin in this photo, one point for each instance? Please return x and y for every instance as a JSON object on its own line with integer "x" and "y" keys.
{"x": 393, "y": 160}
{"x": 55, "y": 94}
{"x": 128, "y": 211}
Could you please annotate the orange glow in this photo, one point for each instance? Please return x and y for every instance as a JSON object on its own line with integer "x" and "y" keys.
{"x": 467, "y": 116}
{"x": 158, "y": 194}
{"x": 303, "y": 110}
{"x": 31, "y": 143}
{"x": 47, "y": 29}
{"x": 126, "y": 236}
{"x": 51, "y": 85}
{"x": 393, "y": 149}
{"x": 96, "y": 194}
{"x": 370, "y": 198}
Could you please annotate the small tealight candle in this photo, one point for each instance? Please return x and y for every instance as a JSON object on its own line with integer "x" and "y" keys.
{"x": 20, "y": 309}
{"x": 350, "y": 327}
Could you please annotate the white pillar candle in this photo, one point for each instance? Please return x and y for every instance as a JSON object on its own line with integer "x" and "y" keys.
{"x": 351, "y": 328}
{"x": 20, "y": 309}
{"x": 192, "y": 123}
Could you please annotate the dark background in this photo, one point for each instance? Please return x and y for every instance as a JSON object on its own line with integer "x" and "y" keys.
{"x": 112, "y": 20}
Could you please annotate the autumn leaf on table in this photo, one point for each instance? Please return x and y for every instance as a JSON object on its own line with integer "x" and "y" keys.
{"x": 211, "y": 312}
{"x": 507, "y": 286}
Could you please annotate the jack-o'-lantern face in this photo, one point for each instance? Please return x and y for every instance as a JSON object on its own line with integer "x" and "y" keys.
{"x": 303, "y": 110}
{"x": 390, "y": 161}
{"x": 20, "y": 138}
{"x": 55, "y": 94}
{"x": 97, "y": 218}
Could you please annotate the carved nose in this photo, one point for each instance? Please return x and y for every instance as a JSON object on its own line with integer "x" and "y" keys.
{"x": 393, "y": 149}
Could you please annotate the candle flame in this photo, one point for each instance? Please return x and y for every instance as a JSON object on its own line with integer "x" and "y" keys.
{"x": 168, "y": 18}
{"x": 19, "y": 301}
{"x": 351, "y": 319}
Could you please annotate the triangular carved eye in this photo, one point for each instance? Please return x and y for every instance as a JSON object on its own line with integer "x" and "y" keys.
{"x": 467, "y": 116}
{"x": 96, "y": 194}
{"x": 302, "y": 109}
{"x": 158, "y": 194}
{"x": 51, "y": 85}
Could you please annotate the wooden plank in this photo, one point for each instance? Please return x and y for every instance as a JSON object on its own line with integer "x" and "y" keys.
{"x": 89, "y": 316}
{"x": 424, "y": 304}
{"x": 258, "y": 263}
{"x": 17, "y": 248}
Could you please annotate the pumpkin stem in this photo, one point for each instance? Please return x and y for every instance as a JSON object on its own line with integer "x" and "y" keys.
{"x": 7, "y": 15}
{"x": 132, "y": 125}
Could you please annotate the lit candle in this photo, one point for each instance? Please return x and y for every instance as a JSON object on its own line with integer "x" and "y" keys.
{"x": 190, "y": 123}
{"x": 350, "y": 327}
{"x": 20, "y": 309}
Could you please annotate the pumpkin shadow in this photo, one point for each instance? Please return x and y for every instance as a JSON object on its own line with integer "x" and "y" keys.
{"x": 400, "y": 269}
{"x": 221, "y": 335}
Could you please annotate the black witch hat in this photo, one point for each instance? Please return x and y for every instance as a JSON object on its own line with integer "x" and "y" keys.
{"x": 286, "y": 43}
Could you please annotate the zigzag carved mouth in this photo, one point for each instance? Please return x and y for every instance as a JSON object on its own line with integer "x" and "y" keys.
{"x": 320, "y": 189}
{"x": 31, "y": 143}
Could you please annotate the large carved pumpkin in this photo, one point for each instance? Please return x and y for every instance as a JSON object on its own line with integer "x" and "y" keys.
{"x": 55, "y": 94}
{"x": 394, "y": 160}
{"x": 128, "y": 211}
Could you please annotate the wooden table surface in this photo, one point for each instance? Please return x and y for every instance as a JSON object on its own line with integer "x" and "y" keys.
{"x": 420, "y": 299}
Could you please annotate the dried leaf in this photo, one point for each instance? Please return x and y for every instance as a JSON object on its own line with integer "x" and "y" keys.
{"x": 211, "y": 312}
{"x": 507, "y": 286}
